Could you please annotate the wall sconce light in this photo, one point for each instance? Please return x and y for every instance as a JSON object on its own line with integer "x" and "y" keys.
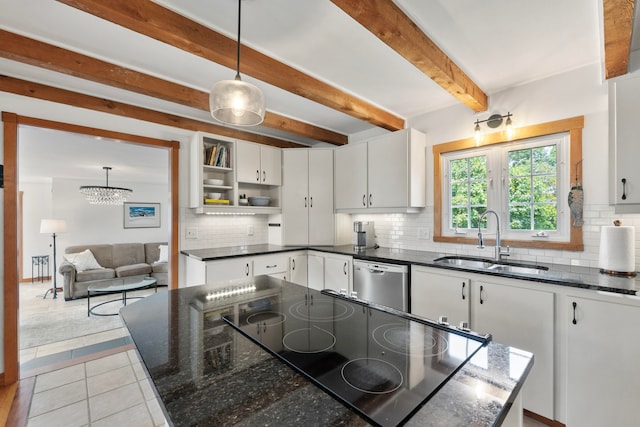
{"x": 493, "y": 122}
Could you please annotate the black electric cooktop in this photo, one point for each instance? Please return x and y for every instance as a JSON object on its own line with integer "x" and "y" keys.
{"x": 381, "y": 363}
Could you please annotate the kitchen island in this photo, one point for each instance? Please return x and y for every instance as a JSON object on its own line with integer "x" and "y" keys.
{"x": 224, "y": 356}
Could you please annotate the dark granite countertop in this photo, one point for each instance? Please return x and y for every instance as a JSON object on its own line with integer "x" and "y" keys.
{"x": 557, "y": 274}
{"x": 206, "y": 373}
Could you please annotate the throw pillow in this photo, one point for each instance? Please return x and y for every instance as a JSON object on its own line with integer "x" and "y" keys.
{"x": 164, "y": 253}
{"x": 83, "y": 261}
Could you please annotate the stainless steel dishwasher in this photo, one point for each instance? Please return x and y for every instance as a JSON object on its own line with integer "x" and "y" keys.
{"x": 385, "y": 284}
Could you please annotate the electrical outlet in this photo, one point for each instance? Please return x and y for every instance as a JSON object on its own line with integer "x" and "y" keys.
{"x": 249, "y": 230}
{"x": 423, "y": 233}
{"x": 192, "y": 233}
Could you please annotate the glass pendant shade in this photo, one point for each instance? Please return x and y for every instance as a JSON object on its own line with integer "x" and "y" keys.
{"x": 105, "y": 195}
{"x": 237, "y": 103}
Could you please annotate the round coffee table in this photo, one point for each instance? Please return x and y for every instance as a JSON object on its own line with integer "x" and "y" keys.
{"x": 147, "y": 282}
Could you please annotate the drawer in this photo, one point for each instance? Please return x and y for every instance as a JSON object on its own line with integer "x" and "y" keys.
{"x": 270, "y": 264}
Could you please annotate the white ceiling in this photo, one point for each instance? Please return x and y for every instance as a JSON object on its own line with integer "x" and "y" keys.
{"x": 498, "y": 43}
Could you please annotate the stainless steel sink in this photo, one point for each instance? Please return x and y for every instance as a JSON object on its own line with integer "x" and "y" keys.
{"x": 460, "y": 261}
{"x": 522, "y": 269}
{"x": 488, "y": 264}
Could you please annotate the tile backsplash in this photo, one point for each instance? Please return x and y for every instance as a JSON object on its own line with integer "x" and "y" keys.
{"x": 216, "y": 231}
{"x": 404, "y": 231}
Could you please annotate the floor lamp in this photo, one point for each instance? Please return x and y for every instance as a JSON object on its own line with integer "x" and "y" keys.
{"x": 53, "y": 226}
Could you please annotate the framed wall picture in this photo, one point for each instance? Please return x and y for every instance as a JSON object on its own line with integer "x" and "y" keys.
{"x": 141, "y": 215}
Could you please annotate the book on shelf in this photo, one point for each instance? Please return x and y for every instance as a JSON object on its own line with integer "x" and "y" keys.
{"x": 217, "y": 155}
{"x": 216, "y": 202}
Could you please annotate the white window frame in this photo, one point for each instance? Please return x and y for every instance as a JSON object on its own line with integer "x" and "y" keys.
{"x": 497, "y": 188}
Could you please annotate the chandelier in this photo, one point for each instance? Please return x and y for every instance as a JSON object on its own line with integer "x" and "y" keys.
{"x": 105, "y": 195}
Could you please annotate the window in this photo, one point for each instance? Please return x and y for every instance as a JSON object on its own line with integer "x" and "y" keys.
{"x": 521, "y": 181}
{"x": 525, "y": 181}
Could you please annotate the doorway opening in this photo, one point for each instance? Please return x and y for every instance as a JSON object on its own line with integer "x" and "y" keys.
{"x": 13, "y": 217}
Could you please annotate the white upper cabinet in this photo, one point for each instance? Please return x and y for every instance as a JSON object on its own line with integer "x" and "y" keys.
{"x": 387, "y": 173}
{"x": 351, "y": 176}
{"x": 624, "y": 128}
{"x": 307, "y": 197}
{"x": 258, "y": 164}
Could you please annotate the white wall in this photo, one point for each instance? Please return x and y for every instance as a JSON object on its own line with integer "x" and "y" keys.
{"x": 36, "y": 203}
{"x": 579, "y": 92}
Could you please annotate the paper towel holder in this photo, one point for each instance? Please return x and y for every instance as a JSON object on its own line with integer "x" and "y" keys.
{"x": 618, "y": 223}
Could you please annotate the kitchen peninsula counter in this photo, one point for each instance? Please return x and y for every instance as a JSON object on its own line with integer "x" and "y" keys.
{"x": 557, "y": 274}
{"x": 205, "y": 372}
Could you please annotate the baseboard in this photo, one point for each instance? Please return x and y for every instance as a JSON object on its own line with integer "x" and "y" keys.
{"x": 38, "y": 280}
{"x": 543, "y": 420}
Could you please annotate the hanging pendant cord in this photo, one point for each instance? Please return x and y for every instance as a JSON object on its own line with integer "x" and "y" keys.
{"x": 238, "y": 53}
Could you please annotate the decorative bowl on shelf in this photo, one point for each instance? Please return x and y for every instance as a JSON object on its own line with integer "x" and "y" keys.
{"x": 214, "y": 181}
{"x": 243, "y": 202}
{"x": 216, "y": 196}
{"x": 259, "y": 201}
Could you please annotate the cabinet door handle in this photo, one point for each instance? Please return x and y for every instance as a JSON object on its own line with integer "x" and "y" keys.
{"x": 310, "y": 202}
{"x": 463, "y": 285}
{"x": 481, "y": 291}
{"x": 293, "y": 265}
{"x": 364, "y": 200}
{"x": 370, "y": 199}
{"x": 264, "y": 176}
{"x": 264, "y": 327}
{"x": 257, "y": 175}
{"x": 345, "y": 268}
{"x": 575, "y": 305}
{"x": 305, "y": 202}
{"x": 246, "y": 270}
{"x": 624, "y": 188}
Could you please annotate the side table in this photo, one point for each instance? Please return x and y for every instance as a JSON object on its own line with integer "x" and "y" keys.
{"x": 39, "y": 262}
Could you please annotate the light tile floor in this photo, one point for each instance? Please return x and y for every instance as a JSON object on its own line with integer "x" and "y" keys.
{"x": 109, "y": 391}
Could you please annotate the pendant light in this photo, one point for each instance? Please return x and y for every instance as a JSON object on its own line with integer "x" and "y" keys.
{"x": 105, "y": 195}
{"x": 235, "y": 102}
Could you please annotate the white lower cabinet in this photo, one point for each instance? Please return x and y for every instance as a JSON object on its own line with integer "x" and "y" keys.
{"x": 513, "y": 315}
{"x": 298, "y": 268}
{"x": 524, "y": 319}
{"x": 228, "y": 269}
{"x": 434, "y": 295}
{"x": 315, "y": 270}
{"x": 338, "y": 272}
{"x": 603, "y": 363}
{"x": 275, "y": 265}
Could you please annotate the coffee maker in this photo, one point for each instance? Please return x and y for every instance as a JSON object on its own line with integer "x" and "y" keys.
{"x": 364, "y": 235}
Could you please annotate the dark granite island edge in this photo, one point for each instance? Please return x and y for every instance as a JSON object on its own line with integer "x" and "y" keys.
{"x": 164, "y": 328}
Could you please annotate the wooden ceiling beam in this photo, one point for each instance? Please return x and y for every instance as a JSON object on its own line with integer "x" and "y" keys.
{"x": 387, "y": 22}
{"x": 44, "y": 55}
{"x": 75, "y": 99}
{"x": 618, "y": 25}
{"x": 157, "y": 22}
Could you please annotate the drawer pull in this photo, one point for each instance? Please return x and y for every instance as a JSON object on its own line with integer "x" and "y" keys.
{"x": 272, "y": 266}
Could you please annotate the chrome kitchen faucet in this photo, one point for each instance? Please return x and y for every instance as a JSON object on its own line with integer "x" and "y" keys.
{"x": 499, "y": 250}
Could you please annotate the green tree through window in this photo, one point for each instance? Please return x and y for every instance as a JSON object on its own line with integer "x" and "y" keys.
{"x": 468, "y": 191}
{"x": 533, "y": 188}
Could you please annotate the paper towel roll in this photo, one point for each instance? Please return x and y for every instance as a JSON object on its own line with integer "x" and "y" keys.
{"x": 617, "y": 249}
